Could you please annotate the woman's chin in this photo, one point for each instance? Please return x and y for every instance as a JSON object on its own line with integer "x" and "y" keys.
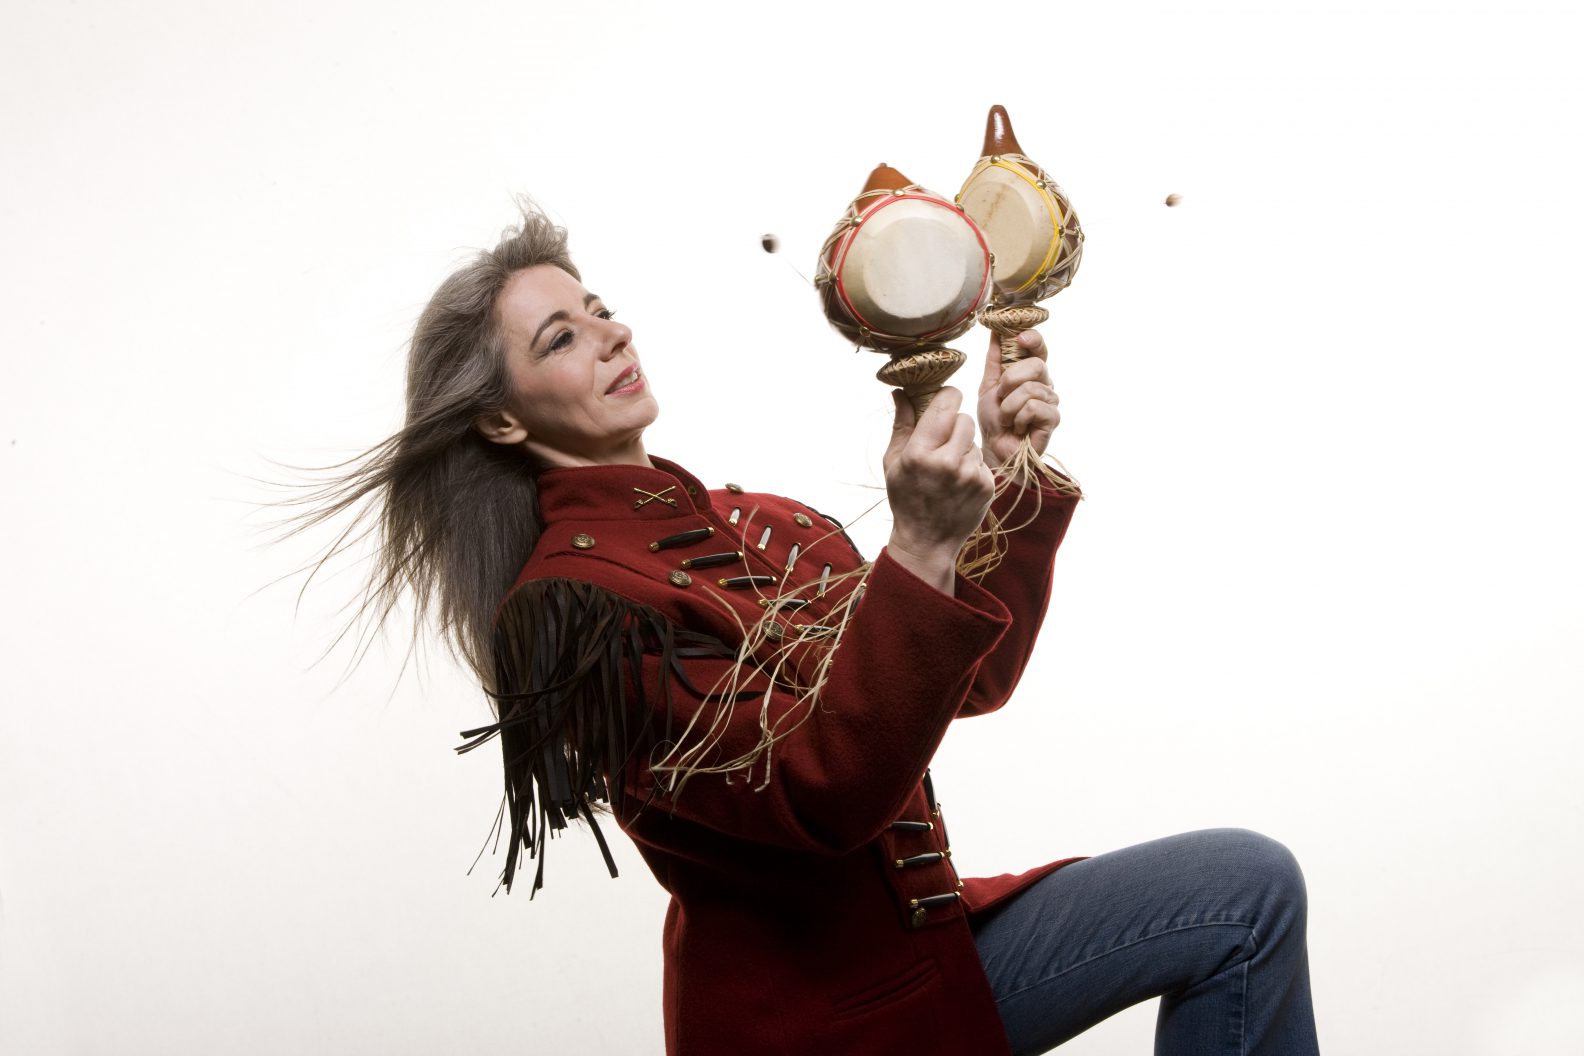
{"x": 648, "y": 408}
{"x": 639, "y": 417}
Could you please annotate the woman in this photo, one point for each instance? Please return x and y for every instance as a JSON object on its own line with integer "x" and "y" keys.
{"x": 759, "y": 705}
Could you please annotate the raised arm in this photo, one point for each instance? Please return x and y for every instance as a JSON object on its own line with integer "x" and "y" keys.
{"x": 1014, "y": 402}
{"x": 1021, "y": 582}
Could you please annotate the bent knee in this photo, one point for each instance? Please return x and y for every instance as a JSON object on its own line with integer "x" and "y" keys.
{"x": 1266, "y": 865}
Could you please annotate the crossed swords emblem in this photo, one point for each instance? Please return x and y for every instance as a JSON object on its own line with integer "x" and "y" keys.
{"x": 652, "y": 496}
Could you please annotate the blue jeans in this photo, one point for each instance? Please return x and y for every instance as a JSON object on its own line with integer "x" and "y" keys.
{"x": 1210, "y": 922}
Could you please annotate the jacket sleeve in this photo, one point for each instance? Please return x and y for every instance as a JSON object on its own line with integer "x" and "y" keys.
{"x": 1021, "y": 582}
{"x": 848, "y": 762}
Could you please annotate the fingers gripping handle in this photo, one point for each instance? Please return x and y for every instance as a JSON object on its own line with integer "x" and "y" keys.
{"x": 1010, "y": 321}
{"x": 921, "y": 373}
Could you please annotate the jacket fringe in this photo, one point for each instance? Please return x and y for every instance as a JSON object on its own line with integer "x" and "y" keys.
{"x": 568, "y": 657}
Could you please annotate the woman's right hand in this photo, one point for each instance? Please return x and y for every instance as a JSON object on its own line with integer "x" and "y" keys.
{"x": 938, "y": 484}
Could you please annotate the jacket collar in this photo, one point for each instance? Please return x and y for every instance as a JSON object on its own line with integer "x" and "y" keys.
{"x": 620, "y": 493}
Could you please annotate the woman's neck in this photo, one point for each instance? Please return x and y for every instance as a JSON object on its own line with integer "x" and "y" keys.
{"x": 627, "y": 454}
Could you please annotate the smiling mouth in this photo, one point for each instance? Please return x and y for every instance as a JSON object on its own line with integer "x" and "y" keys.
{"x": 625, "y": 380}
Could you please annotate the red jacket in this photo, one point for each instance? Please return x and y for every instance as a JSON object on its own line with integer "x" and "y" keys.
{"x": 815, "y": 906}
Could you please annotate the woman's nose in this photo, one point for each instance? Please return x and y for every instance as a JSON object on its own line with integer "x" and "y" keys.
{"x": 618, "y": 337}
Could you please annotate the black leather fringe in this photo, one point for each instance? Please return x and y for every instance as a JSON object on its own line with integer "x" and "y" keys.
{"x": 569, "y": 694}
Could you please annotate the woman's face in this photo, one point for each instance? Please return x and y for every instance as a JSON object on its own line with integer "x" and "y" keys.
{"x": 579, "y": 397}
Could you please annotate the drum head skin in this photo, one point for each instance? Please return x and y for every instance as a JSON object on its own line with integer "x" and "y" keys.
{"x": 913, "y": 267}
{"x": 1020, "y": 220}
{"x": 903, "y": 268}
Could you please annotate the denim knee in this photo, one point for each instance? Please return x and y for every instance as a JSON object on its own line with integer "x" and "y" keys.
{"x": 1269, "y": 868}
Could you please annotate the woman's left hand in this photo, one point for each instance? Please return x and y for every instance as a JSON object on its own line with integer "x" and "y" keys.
{"x": 1016, "y": 401}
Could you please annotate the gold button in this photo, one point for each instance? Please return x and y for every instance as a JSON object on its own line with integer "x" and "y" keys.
{"x": 735, "y": 489}
{"x": 692, "y": 490}
{"x": 774, "y": 632}
{"x": 680, "y": 578}
{"x": 802, "y": 520}
{"x": 583, "y": 541}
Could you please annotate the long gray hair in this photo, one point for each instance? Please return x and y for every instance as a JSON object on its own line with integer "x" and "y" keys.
{"x": 457, "y": 515}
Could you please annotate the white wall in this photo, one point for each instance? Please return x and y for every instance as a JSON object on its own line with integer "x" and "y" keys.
{"x": 1326, "y": 584}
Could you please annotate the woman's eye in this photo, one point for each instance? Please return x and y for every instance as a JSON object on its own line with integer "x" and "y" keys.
{"x": 565, "y": 338}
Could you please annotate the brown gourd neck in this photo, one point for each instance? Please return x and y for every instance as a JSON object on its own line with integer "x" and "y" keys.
{"x": 999, "y": 138}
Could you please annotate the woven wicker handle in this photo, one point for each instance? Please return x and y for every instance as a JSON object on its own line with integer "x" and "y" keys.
{"x": 1009, "y": 322}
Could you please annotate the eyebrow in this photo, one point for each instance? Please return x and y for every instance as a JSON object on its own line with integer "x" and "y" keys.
{"x": 557, "y": 316}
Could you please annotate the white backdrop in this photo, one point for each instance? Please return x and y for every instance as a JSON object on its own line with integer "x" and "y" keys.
{"x": 1326, "y": 584}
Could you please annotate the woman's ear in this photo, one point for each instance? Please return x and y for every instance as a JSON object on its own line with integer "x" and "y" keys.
{"x": 501, "y": 427}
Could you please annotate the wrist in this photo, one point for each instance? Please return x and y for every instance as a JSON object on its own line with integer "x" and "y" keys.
{"x": 935, "y": 564}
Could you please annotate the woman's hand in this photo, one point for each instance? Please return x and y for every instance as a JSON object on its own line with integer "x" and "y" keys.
{"x": 1017, "y": 401}
{"x": 938, "y": 484}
